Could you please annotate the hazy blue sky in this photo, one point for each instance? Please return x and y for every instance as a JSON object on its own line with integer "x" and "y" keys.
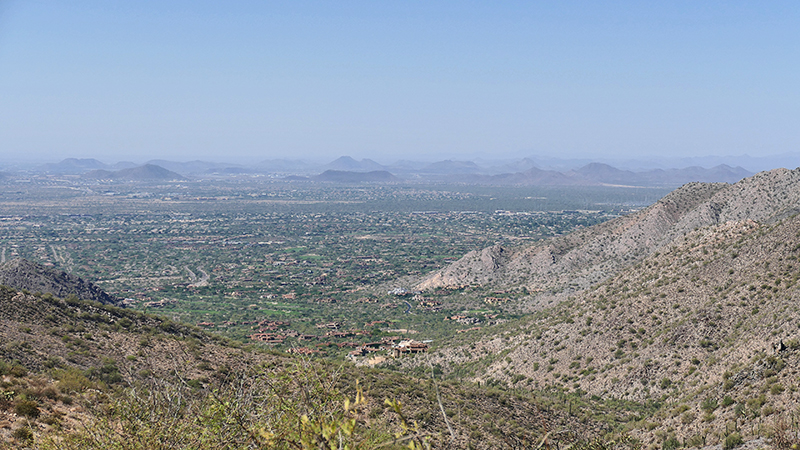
{"x": 250, "y": 80}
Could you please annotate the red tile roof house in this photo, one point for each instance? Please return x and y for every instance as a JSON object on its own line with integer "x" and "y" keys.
{"x": 408, "y": 347}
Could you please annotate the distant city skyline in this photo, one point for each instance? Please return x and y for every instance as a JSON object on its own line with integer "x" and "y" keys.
{"x": 246, "y": 81}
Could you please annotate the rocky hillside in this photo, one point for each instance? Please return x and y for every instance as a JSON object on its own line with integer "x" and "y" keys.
{"x": 56, "y": 356}
{"x": 62, "y": 362}
{"x": 23, "y": 274}
{"x": 701, "y": 321}
{"x": 589, "y": 256}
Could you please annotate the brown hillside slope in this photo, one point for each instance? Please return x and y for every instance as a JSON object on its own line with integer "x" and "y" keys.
{"x": 708, "y": 327}
{"x": 42, "y": 331}
{"x": 589, "y": 256}
{"x": 23, "y": 274}
{"x": 78, "y": 356}
{"x": 91, "y": 348}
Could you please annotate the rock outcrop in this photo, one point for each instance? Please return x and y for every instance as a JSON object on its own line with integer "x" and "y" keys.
{"x": 20, "y": 273}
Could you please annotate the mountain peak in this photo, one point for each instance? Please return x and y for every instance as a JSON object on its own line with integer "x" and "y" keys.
{"x": 147, "y": 172}
{"x": 350, "y": 164}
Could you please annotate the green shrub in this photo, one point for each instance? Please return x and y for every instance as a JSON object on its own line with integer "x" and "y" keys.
{"x": 72, "y": 380}
{"x": 23, "y": 435}
{"x": 696, "y": 441}
{"x": 17, "y": 370}
{"x": 709, "y": 405}
{"x": 27, "y": 408}
{"x": 733, "y": 440}
{"x": 776, "y": 389}
{"x": 107, "y": 373}
{"x": 297, "y": 408}
{"x": 757, "y": 402}
{"x": 671, "y": 443}
{"x": 727, "y": 401}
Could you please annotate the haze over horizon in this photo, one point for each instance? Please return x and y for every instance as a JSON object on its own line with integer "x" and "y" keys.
{"x": 246, "y": 81}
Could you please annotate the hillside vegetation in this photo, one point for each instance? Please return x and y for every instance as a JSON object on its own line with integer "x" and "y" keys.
{"x": 694, "y": 310}
{"x": 77, "y": 374}
{"x": 676, "y": 326}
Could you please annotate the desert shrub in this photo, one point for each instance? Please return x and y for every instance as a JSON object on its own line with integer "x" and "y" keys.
{"x": 624, "y": 442}
{"x": 107, "y": 373}
{"x": 732, "y": 440}
{"x": 784, "y": 434}
{"x": 23, "y": 434}
{"x": 757, "y": 402}
{"x": 27, "y": 408}
{"x": 776, "y": 389}
{"x": 775, "y": 363}
{"x": 728, "y": 384}
{"x": 72, "y": 380}
{"x": 681, "y": 408}
{"x": 39, "y": 392}
{"x": 671, "y": 443}
{"x": 16, "y": 370}
{"x": 298, "y": 408}
{"x": 709, "y": 404}
{"x": 52, "y": 362}
{"x": 697, "y": 440}
{"x": 125, "y": 322}
{"x": 52, "y": 420}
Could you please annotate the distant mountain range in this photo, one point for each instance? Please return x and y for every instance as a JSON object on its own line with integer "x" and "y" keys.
{"x": 75, "y": 166}
{"x": 603, "y": 174}
{"x": 524, "y": 172}
{"x": 147, "y": 172}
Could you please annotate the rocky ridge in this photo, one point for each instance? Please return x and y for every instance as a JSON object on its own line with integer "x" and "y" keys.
{"x": 589, "y": 256}
{"x": 701, "y": 321}
{"x": 23, "y": 274}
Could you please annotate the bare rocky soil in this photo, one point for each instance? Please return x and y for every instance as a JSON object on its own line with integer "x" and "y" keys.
{"x": 691, "y": 305}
